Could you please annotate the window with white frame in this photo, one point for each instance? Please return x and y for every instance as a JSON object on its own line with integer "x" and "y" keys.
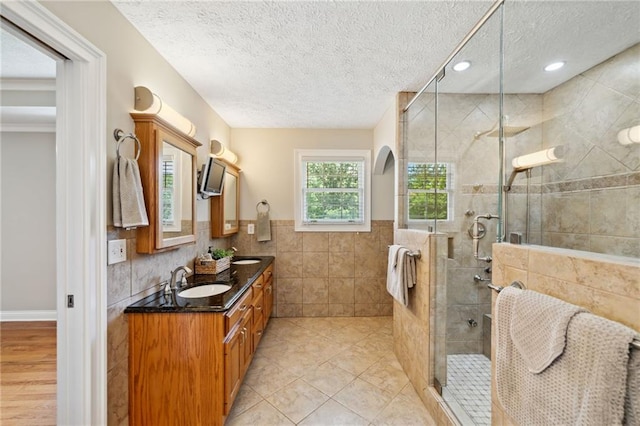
{"x": 429, "y": 191}
{"x": 332, "y": 190}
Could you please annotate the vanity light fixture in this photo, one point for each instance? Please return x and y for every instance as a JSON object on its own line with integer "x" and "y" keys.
{"x": 148, "y": 102}
{"x": 554, "y": 66}
{"x": 461, "y": 66}
{"x": 220, "y": 151}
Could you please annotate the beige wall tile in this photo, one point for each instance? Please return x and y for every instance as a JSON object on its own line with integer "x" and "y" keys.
{"x": 342, "y": 290}
{"x": 315, "y": 241}
{"x": 289, "y": 265}
{"x": 315, "y": 264}
{"x": 315, "y": 290}
{"x": 341, "y": 264}
{"x": 315, "y": 309}
{"x": 341, "y": 309}
{"x": 289, "y": 290}
{"x": 289, "y": 310}
{"x": 288, "y": 239}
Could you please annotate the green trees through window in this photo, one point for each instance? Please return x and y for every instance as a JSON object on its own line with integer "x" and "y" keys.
{"x": 428, "y": 186}
{"x": 333, "y": 191}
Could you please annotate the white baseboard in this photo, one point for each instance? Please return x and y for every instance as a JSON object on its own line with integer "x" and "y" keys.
{"x": 28, "y": 315}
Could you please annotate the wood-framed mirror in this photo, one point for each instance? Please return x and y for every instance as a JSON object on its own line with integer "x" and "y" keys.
{"x": 168, "y": 173}
{"x": 225, "y": 208}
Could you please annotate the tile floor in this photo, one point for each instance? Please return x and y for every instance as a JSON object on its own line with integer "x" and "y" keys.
{"x": 468, "y": 390}
{"x": 327, "y": 371}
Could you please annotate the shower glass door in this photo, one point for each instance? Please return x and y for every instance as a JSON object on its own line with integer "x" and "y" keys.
{"x": 453, "y": 151}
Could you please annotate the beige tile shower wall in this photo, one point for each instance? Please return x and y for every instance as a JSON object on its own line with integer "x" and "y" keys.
{"x": 608, "y": 286}
{"x": 325, "y": 273}
{"x": 590, "y": 201}
{"x": 419, "y": 329}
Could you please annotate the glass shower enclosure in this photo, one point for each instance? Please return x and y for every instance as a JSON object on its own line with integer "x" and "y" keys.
{"x": 461, "y": 135}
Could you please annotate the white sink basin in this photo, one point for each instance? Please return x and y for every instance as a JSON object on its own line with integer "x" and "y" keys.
{"x": 245, "y": 261}
{"x": 204, "y": 290}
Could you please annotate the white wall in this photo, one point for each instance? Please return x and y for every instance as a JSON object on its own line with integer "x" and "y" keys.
{"x": 384, "y": 138}
{"x": 132, "y": 61}
{"x": 266, "y": 160}
{"x": 28, "y": 222}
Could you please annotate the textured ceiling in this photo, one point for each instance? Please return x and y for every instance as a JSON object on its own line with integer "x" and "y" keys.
{"x": 339, "y": 64}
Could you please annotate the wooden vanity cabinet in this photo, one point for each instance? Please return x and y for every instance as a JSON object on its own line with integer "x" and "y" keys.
{"x": 187, "y": 367}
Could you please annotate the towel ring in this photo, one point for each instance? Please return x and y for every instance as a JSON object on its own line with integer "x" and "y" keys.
{"x": 263, "y": 203}
{"x": 120, "y": 136}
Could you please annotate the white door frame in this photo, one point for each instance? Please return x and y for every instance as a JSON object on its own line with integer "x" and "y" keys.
{"x": 80, "y": 214}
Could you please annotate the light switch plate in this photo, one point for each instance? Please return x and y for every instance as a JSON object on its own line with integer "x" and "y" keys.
{"x": 251, "y": 229}
{"x": 116, "y": 251}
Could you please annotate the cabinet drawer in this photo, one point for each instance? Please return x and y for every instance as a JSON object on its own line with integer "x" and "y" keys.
{"x": 240, "y": 308}
{"x": 257, "y": 284}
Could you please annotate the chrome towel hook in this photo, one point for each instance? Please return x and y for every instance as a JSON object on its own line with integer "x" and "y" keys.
{"x": 120, "y": 136}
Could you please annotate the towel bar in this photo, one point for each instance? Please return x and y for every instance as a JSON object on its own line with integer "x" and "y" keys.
{"x": 635, "y": 343}
{"x": 417, "y": 254}
{"x": 499, "y": 288}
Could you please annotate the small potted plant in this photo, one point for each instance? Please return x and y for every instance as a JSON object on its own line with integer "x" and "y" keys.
{"x": 219, "y": 261}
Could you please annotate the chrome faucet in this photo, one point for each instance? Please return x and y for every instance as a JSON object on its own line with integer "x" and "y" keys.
{"x": 174, "y": 276}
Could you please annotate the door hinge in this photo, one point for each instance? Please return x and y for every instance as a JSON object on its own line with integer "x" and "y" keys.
{"x": 70, "y": 301}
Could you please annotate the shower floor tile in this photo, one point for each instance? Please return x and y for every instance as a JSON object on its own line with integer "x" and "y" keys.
{"x": 469, "y": 384}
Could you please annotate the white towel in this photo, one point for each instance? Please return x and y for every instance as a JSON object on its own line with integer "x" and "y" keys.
{"x": 128, "y": 200}
{"x": 401, "y": 273}
{"x": 585, "y": 385}
{"x": 263, "y": 226}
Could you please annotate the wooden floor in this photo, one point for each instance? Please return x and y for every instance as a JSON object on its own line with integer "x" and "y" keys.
{"x": 28, "y": 373}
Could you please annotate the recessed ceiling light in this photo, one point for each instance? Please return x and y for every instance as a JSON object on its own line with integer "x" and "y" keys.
{"x": 554, "y": 66}
{"x": 461, "y": 66}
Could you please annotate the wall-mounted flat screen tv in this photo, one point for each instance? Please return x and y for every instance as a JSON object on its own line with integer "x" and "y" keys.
{"x": 211, "y": 177}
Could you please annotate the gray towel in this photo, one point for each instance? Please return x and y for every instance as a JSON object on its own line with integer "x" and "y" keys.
{"x": 128, "y": 200}
{"x": 632, "y": 398}
{"x": 263, "y": 226}
{"x": 539, "y": 328}
{"x": 585, "y": 385}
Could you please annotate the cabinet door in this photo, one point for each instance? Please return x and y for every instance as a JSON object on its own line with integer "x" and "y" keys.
{"x": 233, "y": 364}
{"x": 238, "y": 350}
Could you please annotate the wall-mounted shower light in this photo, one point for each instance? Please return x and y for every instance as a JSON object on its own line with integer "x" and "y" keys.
{"x": 554, "y": 66}
{"x": 535, "y": 159}
{"x": 461, "y": 66}
{"x": 629, "y": 135}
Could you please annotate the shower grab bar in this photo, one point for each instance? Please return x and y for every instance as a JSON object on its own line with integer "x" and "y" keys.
{"x": 476, "y": 235}
{"x": 458, "y": 48}
{"x": 635, "y": 343}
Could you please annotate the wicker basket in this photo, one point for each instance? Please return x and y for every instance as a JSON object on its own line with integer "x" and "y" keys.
{"x": 212, "y": 266}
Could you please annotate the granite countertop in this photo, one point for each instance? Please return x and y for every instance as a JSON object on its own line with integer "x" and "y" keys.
{"x": 240, "y": 277}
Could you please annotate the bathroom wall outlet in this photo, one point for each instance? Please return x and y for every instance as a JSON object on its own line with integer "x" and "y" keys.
{"x": 116, "y": 251}
{"x": 251, "y": 229}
